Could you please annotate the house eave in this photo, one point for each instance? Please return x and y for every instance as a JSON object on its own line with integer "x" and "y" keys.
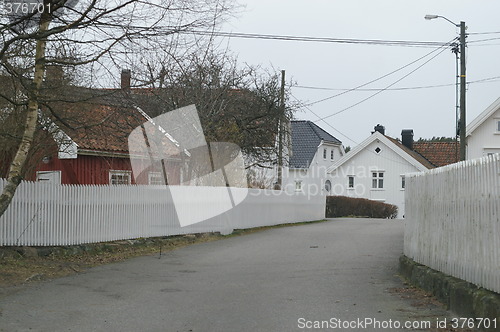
{"x": 116, "y": 154}
{"x": 377, "y": 137}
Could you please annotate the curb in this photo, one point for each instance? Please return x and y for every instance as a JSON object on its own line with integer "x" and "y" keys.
{"x": 463, "y": 298}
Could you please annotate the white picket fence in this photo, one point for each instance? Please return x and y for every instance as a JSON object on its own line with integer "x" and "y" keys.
{"x": 453, "y": 220}
{"x": 47, "y": 215}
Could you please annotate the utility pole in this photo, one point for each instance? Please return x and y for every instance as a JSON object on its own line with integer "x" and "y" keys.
{"x": 280, "y": 131}
{"x": 462, "y": 121}
{"x": 463, "y": 135}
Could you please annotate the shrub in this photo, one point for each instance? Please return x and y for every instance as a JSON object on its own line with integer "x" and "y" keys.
{"x": 342, "y": 206}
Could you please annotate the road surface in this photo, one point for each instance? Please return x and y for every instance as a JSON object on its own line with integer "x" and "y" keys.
{"x": 322, "y": 275}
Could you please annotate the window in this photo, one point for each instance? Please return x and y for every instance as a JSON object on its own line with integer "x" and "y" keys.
{"x": 52, "y": 177}
{"x": 155, "y": 178}
{"x": 377, "y": 150}
{"x": 324, "y": 153}
{"x": 351, "y": 182}
{"x": 328, "y": 186}
{"x": 298, "y": 185}
{"x": 331, "y": 154}
{"x": 490, "y": 151}
{"x": 498, "y": 126}
{"x": 403, "y": 182}
{"x": 377, "y": 180}
{"x": 119, "y": 177}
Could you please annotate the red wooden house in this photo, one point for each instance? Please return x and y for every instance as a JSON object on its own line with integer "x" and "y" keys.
{"x": 90, "y": 141}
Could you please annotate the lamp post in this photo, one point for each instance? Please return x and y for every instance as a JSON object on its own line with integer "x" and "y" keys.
{"x": 463, "y": 136}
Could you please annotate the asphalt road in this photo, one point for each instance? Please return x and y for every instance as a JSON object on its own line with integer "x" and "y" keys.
{"x": 281, "y": 279}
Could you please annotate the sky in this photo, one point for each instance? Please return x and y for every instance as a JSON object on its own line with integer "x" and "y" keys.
{"x": 428, "y": 111}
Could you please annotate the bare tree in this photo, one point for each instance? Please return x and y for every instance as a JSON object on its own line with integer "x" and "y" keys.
{"x": 236, "y": 103}
{"x": 93, "y": 35}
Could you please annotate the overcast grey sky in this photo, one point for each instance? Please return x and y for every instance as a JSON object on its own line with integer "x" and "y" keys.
{"x": 429, "y": 112}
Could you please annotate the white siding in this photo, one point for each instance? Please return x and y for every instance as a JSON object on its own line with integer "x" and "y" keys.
{"x": 485, "y": 138}
{"x": 313, "y": 179}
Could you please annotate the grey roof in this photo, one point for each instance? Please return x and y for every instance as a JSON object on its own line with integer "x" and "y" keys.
{"x": 306, "y": 137}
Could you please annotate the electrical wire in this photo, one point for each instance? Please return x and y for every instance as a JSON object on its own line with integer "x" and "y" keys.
{"x": 407, "y": 43}
{"x": 378, "y": 92}
{"x": 484, "y": 80}
{"x": 384, "y": 76}
{"x": 482, "y": 40}
{"x": 319, "y": 117}
{"x": 338, "y": 131}
{"x": 483, "y": 33}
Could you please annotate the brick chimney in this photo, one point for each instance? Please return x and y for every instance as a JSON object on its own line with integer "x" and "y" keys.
{"x": 379, "y": 128}
{"x": 407, "y": 138}
{"x": 125, "y": 79}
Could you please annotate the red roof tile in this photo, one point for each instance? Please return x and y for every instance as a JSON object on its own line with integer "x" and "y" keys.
{"x": 417, "y": 156}
{"x": 103, "y": 122}
{"x": 438, "y": 153}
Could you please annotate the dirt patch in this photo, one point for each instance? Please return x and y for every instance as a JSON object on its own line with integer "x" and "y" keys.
{"x": 427, "y": 302}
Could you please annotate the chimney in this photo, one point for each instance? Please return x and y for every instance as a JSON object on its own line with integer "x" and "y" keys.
{"x": 54, "y": 73}
{"x": 125, "y": 79}
{"x": 380, "y": 129}
{"x": 407, "y": 138}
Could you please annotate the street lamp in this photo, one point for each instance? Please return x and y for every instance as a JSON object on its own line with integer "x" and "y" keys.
{"x": 462, "y": 81}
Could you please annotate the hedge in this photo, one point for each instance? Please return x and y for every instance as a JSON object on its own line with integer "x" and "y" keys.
{"x": 342, "y": 206}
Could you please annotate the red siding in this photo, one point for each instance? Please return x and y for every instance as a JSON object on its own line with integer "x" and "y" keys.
{"x": 95, "y": 170}
{"x": 86, "y": 169}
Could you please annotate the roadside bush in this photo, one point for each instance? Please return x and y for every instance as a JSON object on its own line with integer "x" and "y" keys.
{"x": 342, "y": 206}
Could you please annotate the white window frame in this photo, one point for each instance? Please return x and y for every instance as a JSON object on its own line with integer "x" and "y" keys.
{"x": 490, "y": 151}
{"x": 153, "y": 179}
{"x": 378, "y": 180}
{"x": 328, "y": 183}
{"x": 298, "y": 185}
{"x": 349, "y": 177}
{"x": 332, "y": 154}
{"x": 56, "y": 178}
{"x": 324, "y": 153}
{"x": 127, "y": 174}
{"x": 403, "y": 182}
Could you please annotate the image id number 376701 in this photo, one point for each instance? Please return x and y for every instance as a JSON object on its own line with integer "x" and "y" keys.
{"x": 473, "y": 323}
{"x": 21, "y": 8}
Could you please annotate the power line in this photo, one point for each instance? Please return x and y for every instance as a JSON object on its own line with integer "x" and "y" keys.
{"x": 483, "y": 33}
{"x": 482, "y": 40}
{"x": 320, "y": 119}
{"x": 380, "y": 91}
{"x": 407, "y": 43}
{"x": 484, "y": 80}
{"x": 442, "y": 48}
{"x": 350, "y": 139}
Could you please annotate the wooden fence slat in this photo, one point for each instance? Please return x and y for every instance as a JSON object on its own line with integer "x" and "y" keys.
{"x": 452, "y": 220}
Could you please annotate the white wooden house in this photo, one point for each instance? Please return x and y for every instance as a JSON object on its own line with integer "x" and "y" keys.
{"x": 376, "y": 168}
{"x": 313, "y": 151}
{"x": 483, "y": 133}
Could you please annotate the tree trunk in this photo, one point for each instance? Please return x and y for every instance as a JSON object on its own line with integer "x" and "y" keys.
{"x": 15, "y": 170}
